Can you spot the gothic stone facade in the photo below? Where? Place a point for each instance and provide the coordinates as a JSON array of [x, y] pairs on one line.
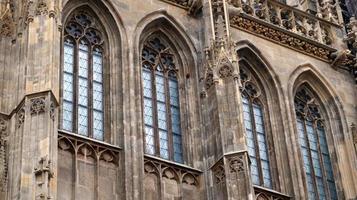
[[252, 99]]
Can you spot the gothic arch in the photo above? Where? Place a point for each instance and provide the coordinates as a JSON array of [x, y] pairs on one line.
[[336, 124], [160, 23], [114, 59], [252, 58]]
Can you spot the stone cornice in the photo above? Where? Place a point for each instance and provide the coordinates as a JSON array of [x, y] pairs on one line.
[[282, 37]]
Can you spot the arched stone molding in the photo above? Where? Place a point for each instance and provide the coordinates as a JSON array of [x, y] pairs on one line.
[[339, 140], [161, 23], [115, 59], [274, 109]]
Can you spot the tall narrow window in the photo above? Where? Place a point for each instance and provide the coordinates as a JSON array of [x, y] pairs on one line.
[[161, 101], [255, 130], [313, 146], [82, 80]]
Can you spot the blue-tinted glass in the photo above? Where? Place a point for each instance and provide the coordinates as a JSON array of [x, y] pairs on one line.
[[97, 66], [83, 120], [177, 147], [98, 125], [83, 91], [149, 140], [67, 116], [174, 93], [147, 83], [161, 115], [83, 60], [160, 87], [67, 110], [97, 96], [164, 146], [148, 119]]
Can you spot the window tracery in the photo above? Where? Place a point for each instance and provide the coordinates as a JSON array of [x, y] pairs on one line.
[[161, 100], [253, 114], [82, 78], [314, 147]]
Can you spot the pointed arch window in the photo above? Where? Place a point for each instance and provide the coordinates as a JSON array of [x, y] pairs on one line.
[[313, 145], [82, 77], [161, 101], [253, 114]]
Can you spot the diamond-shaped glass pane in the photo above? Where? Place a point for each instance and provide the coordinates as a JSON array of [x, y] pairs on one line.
[[68, 86], [161, 115], [148, 118], [83, 91], [83, 61], [147, 83], [97, 67], [68, 57], [174, 93], [98, 125], [83, 120], [67, 110], [160, 87], [98, 96]]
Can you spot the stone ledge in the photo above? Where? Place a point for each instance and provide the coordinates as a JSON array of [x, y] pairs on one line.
[[282, 37]]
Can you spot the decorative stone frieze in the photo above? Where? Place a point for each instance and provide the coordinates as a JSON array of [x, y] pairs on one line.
[[179, 173], [287, 39], [193, 6], [88, 148], [264, 194]]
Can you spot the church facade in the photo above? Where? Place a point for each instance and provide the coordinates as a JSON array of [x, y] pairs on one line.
[[178, 99]]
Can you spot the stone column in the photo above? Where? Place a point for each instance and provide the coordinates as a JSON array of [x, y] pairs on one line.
[[226, 150], [32, 139]]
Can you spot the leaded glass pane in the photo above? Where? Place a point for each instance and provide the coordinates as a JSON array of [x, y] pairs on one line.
[[149, 140], [68, 56], [147, 83], [98, 125], [97, 96], [160, 87], [83, 120], [83, 91], [97, 66], [83, 60], [67, 123], [164, 144]]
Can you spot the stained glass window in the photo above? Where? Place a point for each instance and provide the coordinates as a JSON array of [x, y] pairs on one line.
[[313, 146], [82, 82], [255, 131], [161, 101]]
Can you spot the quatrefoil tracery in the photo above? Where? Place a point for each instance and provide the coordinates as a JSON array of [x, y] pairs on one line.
[[81, 25], [306, 105], [248, 85], [157, 56]]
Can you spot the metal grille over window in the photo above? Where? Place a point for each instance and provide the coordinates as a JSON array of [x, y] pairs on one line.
[[255, 130], [82, 80], [313, 145], [161, 101]]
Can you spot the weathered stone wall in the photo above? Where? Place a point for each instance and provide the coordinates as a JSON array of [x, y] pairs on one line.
[[42, 161]]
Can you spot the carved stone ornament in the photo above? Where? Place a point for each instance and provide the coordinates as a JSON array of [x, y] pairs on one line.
[[7, 25], [42, 8], [38, 105], [219, 173], [20, 117], [3, 126], [236, 164], [170, 171], [283, 38], [52, 110]]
